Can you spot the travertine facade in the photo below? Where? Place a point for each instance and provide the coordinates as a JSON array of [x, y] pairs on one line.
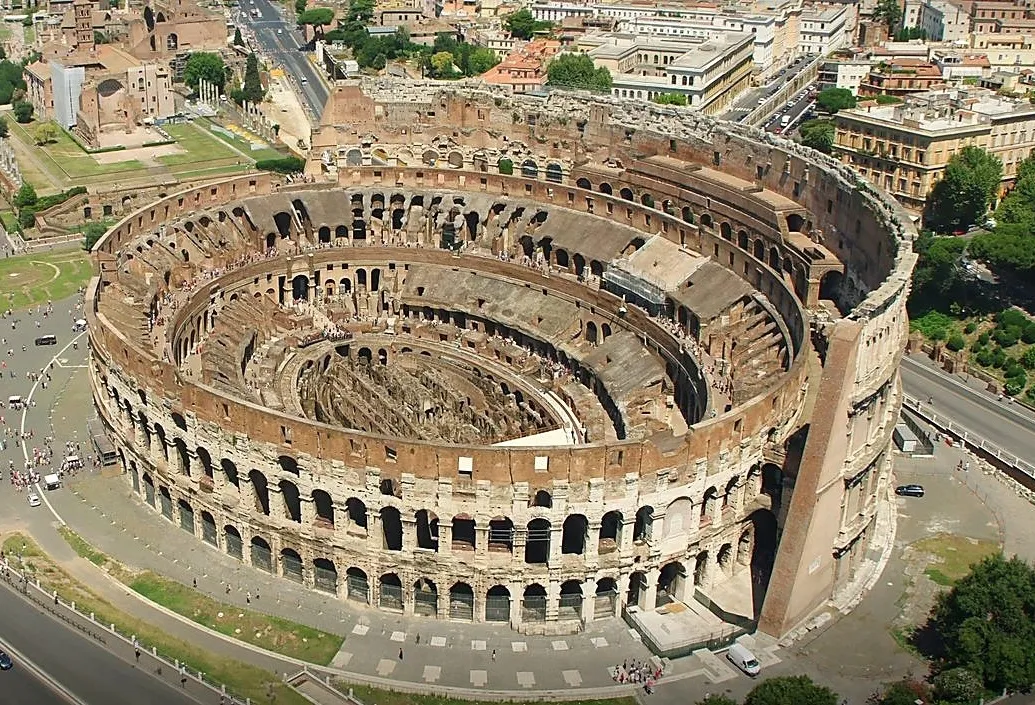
[[531, 397]]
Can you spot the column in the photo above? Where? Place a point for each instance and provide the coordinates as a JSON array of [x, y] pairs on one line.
[[593, 543], [553, 600], [481, 540], [445, 538], [308, 510], [650, 595], [556, 532], [515, 606], [588, 601]]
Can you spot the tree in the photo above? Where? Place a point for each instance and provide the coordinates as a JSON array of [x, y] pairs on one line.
[[833, 99], [3, 127], [238, 39], [577, 71], [669, 99], [520, 24], [442, 64], [92, 233], [26, 196], [986, 623], [22, 112], [799, 690], [967, 187], [11, 80], [300, 6], [27, 218], [938, 265], [45, 133], [204, 66], [904, 692], [818, 134], [317, 17], [252, 90], [889, 12], [958, 685], [482, 59]]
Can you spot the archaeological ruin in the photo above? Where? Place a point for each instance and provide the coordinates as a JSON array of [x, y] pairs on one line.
[[536, 361]]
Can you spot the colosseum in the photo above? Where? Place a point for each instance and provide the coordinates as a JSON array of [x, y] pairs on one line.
[[528, 360]]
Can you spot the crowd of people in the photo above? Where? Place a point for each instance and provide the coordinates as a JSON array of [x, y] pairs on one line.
[[636, 671]]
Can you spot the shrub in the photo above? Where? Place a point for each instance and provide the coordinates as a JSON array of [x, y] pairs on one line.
[[1011, 317], [1006, 337], [933, 325], [984, 338], [27, 217], [976, 347], [1014, 386], [1012, 368], [970, 328], [284, 165], [956, 342], [998, 358], [985, 357], [1028, 336], [1028, 359]]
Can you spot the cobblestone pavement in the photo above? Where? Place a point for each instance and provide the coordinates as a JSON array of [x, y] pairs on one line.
[[853, 654]]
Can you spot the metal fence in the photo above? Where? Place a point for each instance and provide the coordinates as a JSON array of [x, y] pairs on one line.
[[186, 519], [167, 506], [461, 606], [149, 493], [262, 558], [497, 608], [358, 589], [208, 531], [234, 546], [604, 604], [390, 597], [291, 567], [425, 603], [533, 609], [325, 579], [570, 607]]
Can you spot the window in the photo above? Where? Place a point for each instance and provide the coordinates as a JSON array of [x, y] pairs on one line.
[[465, 466]]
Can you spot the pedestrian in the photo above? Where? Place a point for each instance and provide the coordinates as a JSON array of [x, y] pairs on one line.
[[228, 588], [195, 582], [248, 597], [136, 654], [418, 637], [400, 654], [494, 655], [183, 676]]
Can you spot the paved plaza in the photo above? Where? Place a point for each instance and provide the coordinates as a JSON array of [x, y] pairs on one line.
[[853, 654]]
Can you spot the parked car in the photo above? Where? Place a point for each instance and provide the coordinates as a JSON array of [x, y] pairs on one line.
[[743, 659], [34, 499], [5, 661], [910, 490]]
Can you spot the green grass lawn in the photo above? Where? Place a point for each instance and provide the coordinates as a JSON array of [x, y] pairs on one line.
[[952, 556], [28, 280], [200, 145], [272, 633], [242, 679], [65, 156], [390, 697]]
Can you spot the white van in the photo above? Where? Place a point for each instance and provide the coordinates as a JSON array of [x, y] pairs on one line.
[[743, 659], [785, 120], [14, 402], [51, 482]]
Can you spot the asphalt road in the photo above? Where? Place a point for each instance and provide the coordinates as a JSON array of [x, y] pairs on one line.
[[279, 41], [82, 667], [748, 101], [1005, 424]]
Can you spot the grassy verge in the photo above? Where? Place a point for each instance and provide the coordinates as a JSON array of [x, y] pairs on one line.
[[390, 697], [241, 678], [82, 548], [903, 636], [952, 556], [272, 633], [32, 279]]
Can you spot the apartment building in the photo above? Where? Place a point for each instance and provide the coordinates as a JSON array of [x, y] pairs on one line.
[[956, 66], [823, 29], [943, 20], [1005, 52], [709, 72], [900, 77], [904, 148], [844, 73]]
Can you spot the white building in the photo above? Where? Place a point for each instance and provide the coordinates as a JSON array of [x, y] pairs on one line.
[[825, 29], [844, 73], [761, 28]]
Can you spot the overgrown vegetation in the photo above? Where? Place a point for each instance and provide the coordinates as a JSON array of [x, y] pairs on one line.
[[783, 690], [669, 99], [962, 196], [818, 134], [832, 100], [284, 165], [577, 71]]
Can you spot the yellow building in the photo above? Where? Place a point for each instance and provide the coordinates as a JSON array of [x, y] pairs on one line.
[[904, 148]]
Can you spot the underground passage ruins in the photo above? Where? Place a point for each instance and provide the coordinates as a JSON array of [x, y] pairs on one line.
[[536, 361]]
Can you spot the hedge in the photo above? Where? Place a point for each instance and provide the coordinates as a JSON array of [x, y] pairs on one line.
[[284, 165]]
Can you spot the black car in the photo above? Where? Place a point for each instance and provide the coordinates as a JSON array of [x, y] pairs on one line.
[[910, 490], [47, 340], [5, 661]]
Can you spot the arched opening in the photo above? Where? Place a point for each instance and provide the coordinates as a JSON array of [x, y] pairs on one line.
[[763, 535], [391, 524], [830, 285], [300, 288], [425, 598], [533, 603], [678, 517], [591, 333], [291, 565], [325, 575], [774, 258], [324, 509], [701, 569], [579, 263], [543, 499], [292, 501], [554, 173], [165, 502], [324, 234], [529, 169], [463, 533], [671, 584], [262, 557], [626, 194], [537, 541], [390, 592], [206, 462], [706, 220], [186, 515], [610, 532], [729, 497], [208, 529], [356, 586], [497, 604], [637, 589], [708, 505], [583, 183], [742, 240], [234, 544], [149, 489], [260, 491], [230, 471], [570, 605], [426, 529], [772, 483], [643, 524], [501, 535], [357, 512], [726, 231], [605, 598], [759, 250], [561, 257], [724, 559], [461, 602], [573, 534], [605, 188], [795, 223]]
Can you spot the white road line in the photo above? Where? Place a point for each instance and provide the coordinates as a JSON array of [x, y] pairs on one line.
[[41, 675], [25, 410]]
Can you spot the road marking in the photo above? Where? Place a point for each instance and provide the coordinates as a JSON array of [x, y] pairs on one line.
[[385, 667], [572, 678], [41, 675], [479, 678], [25, 410], [432, 673], [526, 679]]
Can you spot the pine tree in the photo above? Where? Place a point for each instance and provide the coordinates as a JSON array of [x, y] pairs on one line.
[[252, 83]]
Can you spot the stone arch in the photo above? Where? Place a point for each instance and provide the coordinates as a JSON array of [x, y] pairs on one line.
[[763, 554], [706, 220], [323, 235], [724, 559], [678, 517], [461, 601], [643, 525], [573, 534], [501, 535], [529, 169], [233, 542], [262, 556], [759, 250], [701, 569], [570, 604], [533, 603], [429, 157], [637, 589], [542, 498], [774, 258], [205, 458], [455, 159], [390, 592], [583, 183], [325, 575], [561, 257], [730, 492], [671, 584], [324, 507], [260, 491], [425, 597], [186, 515], [554, 172], [605, 188], [711, 495], [505, 166], [292, 501], [357, 513], [391, 525], [795, 223], [591, 333], [537, 541], [230, 471], [497, 604], [647, 200], [610, 538], [291, 565], [426, 524], [830, 285], [463, 533]]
